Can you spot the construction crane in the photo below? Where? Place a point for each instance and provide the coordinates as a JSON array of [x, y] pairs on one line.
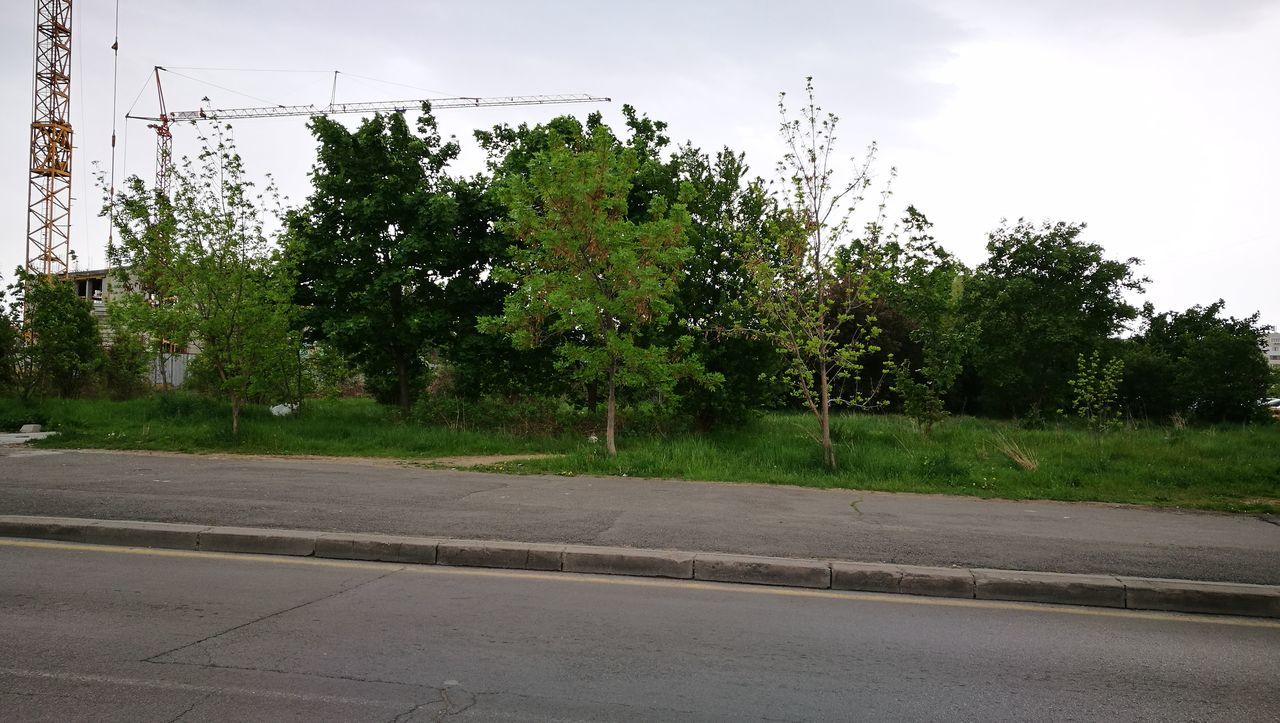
[[49, 192], [164, 135]]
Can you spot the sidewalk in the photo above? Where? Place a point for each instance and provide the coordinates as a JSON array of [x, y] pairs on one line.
[[384, 497]]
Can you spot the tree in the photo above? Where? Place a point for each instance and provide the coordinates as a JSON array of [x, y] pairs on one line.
[[378, 245], [919, 289], [61, 351], [804, 297], [1041, 299], [726, 208], [1197, 364], [1094, 391], [587, 278], [223, 284], [10, 339]]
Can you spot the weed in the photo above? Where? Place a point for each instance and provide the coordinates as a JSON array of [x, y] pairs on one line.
[[1016, 453]]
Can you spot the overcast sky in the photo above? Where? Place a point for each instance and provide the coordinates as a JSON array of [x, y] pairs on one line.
[[1157, 122]]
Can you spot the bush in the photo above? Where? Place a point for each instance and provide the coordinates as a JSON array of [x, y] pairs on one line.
[[16, 412], [124, 368]]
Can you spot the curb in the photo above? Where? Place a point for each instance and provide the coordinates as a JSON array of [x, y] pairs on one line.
[[1132, 593]]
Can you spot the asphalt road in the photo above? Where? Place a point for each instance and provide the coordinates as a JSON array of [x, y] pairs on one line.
[[355, 496], [112, 634]]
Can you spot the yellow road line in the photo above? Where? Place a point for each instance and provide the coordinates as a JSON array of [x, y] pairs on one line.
[[658, 582]]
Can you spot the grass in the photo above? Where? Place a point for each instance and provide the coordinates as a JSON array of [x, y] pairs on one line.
[[185, 423], [1230, 468], [1221, 468]]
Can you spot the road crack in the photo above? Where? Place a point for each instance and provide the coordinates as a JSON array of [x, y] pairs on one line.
[[343, 591], [192, 707]]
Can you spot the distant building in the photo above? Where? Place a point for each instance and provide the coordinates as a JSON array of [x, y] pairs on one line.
[[1273, 349], [98, 286]]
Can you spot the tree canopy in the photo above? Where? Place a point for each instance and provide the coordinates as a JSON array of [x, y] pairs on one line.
[[586, 278]]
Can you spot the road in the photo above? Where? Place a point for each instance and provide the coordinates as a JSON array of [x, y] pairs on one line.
[[134, 635], [355, 496]]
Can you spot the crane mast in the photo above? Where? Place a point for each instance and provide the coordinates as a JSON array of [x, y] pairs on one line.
[[164, 134], [49, 192]]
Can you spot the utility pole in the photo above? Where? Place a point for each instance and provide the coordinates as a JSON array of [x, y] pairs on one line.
[[49, 193]]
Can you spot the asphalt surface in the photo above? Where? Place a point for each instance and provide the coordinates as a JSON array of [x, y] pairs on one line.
[[354, 496], [111, 634]]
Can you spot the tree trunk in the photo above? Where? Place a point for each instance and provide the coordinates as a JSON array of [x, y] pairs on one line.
[[611, 414], [164, 370], [235, 416], [824, 419], [402, 376]]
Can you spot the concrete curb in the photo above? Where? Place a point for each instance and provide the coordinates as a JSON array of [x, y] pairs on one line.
[[1131, 593]]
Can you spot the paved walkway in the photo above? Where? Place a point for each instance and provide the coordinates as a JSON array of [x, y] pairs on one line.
[[370, 496]]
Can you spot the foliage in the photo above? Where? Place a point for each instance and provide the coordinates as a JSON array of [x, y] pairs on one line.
[[208, 274], [1094, 392], [61, 351], [920, 287], [125, 367], [804, 297], [327, 373], [1042, 298], [10, 339], [921, 399], [726, 208], [1197, 364], [385, 259], [586, 278]]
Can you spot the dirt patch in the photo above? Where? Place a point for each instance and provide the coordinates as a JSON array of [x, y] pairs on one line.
[[481, 460]]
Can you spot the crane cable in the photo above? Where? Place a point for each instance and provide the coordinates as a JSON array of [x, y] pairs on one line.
[[115, 94]]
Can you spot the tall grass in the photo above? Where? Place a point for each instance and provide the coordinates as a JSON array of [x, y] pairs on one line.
[[187, 423], [1224, 468]]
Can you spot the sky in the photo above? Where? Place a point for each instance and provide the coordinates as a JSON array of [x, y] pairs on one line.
[[1153, 121]]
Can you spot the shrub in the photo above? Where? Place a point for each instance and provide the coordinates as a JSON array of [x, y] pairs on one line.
[[124, 368]]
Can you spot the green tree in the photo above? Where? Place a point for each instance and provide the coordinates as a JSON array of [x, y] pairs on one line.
[[146, 264], [378, 245], [919, 289], [1095, 395], [726, 208], [1041, 299], [62, 350], [811, 306], [10, 340], [585, 277], [1198, 364], [225, 288], [125, 367]]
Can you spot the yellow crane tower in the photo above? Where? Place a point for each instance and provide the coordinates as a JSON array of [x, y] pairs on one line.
[[49, 193]]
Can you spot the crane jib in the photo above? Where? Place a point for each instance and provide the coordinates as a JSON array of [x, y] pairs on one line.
[[391, 106]]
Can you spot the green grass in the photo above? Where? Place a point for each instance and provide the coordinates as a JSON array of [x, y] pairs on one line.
[[1221, 468], [1231, 468], [186, 423]]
